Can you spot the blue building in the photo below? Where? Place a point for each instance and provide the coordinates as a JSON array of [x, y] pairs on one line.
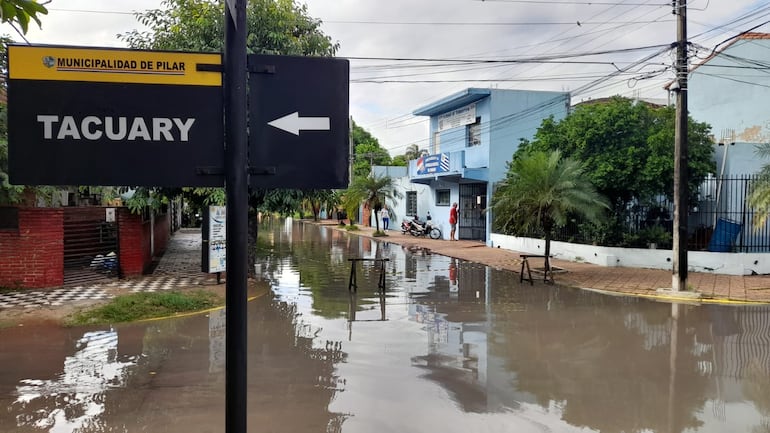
[[729, 90], [473, 135]]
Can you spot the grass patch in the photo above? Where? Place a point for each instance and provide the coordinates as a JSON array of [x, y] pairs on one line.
[[351, 227], [138, 306], [378, 234]]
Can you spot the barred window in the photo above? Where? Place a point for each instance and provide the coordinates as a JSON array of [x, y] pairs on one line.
[[411, 203]]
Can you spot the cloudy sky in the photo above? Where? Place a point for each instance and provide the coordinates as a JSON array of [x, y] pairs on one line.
[[408, 53]]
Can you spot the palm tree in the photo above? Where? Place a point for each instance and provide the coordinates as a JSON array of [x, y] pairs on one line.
[[372, 191], [759, 194], [541, 190], [412, 152]]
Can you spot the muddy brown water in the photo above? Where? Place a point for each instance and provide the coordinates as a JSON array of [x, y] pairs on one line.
[[450, 346]]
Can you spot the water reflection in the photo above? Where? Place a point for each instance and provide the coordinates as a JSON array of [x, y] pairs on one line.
[[449, 345], [168, 376], [533, 357], [75, 400]]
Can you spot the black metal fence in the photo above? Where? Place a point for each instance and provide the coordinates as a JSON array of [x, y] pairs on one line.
[[721, 220]]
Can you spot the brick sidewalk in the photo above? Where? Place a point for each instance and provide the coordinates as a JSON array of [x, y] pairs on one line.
[[753, 288]]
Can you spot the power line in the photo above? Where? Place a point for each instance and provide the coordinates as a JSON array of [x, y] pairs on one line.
[[488, 23], [575, 2]]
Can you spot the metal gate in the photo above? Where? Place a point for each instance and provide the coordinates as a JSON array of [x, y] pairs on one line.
[[473, 221], [90, 245]]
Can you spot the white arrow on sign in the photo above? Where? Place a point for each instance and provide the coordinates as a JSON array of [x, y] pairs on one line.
[[294, 124]]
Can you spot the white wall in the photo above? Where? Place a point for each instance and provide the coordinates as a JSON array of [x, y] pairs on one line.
[[698, 261]]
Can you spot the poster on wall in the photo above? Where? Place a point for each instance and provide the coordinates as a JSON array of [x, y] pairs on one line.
[[217, 239]]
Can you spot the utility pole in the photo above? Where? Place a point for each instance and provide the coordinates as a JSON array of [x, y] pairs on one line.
[[681, 193]]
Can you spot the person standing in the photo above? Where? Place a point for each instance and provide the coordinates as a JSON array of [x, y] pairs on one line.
[[453, 221], [385, 215]]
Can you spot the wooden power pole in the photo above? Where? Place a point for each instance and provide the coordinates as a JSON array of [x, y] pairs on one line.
[[681, 193]]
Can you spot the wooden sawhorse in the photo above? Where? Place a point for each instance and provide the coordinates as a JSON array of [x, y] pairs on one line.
[[547, 273], [352, 284]]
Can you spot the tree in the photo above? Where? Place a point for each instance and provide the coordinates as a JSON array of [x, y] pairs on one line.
[[368, 151], [759, 193], [412, 152], [274, 27], [627, 148], [540, 191], [20, 12], [373, 191]]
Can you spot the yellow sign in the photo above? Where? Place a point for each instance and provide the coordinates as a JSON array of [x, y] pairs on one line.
[[55, 63]]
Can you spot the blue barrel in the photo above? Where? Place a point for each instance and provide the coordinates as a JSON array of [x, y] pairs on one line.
[[724, 236]]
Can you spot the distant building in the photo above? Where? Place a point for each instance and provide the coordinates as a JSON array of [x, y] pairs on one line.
[[729, 90], [473, 135]]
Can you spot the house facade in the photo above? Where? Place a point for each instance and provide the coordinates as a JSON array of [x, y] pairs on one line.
[[729, 90], [473, 135]]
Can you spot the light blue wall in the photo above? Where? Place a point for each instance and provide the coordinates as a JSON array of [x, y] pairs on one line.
[[507, 116], [741, 159], [517, 114], [457, 138], [730, 94]]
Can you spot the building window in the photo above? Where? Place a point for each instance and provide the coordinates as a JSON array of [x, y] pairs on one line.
[[435, 147], [442, 197], [9, 218], [474, 133], [411, 203]]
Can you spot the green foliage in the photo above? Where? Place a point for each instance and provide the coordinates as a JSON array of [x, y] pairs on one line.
[[138, 306], [655, 234], [372, 191], [399, 161], [627, 148], [21, 11], [759, 190], [412, 152], [368, 152], [541, 191], [274, 27], [9, 194]]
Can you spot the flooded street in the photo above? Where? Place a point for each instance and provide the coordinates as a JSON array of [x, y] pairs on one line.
[[450, 346]]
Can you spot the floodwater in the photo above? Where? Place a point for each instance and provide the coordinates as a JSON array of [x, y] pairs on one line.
[[450, 346]]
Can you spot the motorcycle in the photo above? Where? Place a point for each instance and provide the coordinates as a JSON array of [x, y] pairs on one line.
[[417, 228]]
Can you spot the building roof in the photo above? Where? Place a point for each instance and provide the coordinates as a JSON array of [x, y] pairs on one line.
[[451, 102]]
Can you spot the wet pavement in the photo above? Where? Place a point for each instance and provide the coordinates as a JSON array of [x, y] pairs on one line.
[[714, 288], [450, 345]]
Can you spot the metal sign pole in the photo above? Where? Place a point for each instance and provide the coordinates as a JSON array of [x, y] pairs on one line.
[[237, 189]]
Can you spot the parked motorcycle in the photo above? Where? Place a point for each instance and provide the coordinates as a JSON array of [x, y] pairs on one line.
[[417, 228]]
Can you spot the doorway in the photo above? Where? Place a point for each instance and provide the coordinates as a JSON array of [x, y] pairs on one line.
[[473, 221]]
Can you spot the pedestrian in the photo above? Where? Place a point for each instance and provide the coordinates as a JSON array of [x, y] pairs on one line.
[[385, 215], [453, 221]]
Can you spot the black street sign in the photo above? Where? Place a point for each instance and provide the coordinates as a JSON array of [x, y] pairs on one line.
[[298, 122], [84, 116]]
